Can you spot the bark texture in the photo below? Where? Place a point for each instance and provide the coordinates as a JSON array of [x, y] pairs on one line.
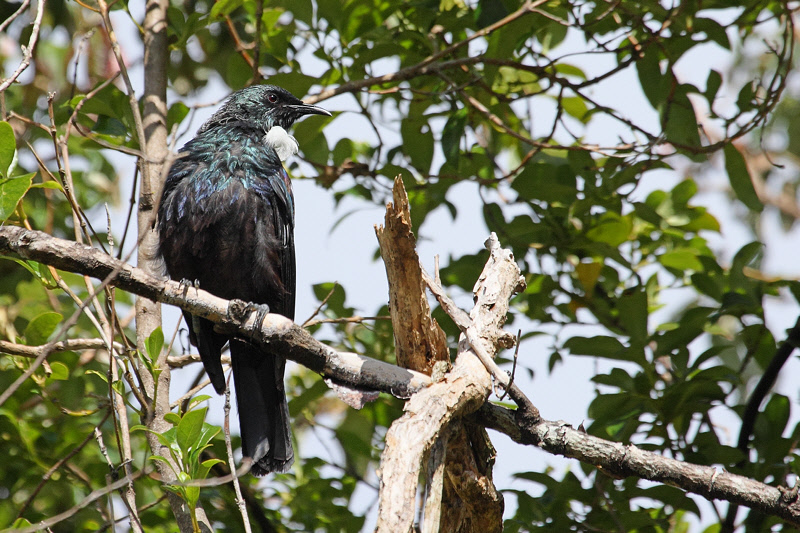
[[460, 494], [419, 341]]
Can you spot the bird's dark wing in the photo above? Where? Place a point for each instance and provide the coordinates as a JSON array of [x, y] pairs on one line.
[[231, 226], [283, 224], [227, 221]]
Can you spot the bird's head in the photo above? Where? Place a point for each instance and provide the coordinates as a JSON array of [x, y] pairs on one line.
[[262, 107]]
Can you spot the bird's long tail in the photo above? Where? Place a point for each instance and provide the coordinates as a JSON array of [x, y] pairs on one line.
[[263, 411]]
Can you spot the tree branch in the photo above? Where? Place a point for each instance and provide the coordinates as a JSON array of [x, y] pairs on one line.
[[419, 341], [621, 460], [279, 332]]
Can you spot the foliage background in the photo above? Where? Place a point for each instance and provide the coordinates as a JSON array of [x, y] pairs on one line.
[[640, 158]]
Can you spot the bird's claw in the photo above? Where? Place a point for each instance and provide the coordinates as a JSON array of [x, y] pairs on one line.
[[261, 311], [240, 310], [185, 283]]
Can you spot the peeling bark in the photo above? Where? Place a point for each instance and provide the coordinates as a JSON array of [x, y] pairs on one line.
[[419, 340], [460, 490]]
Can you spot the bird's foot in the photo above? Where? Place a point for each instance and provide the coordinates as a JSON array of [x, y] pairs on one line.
[[261, 311], [240, 310], [186, 283]]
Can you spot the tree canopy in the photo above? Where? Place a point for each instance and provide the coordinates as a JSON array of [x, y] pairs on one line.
[[639, 159]]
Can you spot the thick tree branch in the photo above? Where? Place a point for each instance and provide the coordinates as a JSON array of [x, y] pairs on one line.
[[428, 415], [623, 460], [279, 332]]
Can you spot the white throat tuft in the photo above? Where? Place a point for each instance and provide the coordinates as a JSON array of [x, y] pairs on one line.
[[281, 142]]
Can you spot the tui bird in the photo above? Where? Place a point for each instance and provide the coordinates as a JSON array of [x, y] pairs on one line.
[[226, 221]]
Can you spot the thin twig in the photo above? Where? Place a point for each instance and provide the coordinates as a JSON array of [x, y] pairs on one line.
[[27, 51], [67, 345], [322, 303], [22, 7], [194, 390], [92, 497], [513, 366], [240, 503], [344, 320], [111, 469]]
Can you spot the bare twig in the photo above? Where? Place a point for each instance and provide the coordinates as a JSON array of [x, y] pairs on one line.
[[345, 320], [322, 303], [91, 498], [22, 7], [240, 503], [27, 51], [67, 345]]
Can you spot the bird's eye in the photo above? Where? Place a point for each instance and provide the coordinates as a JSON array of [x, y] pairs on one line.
[[272, 97]]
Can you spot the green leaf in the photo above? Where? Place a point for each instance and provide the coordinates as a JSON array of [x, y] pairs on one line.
[[679, 118], [198, 399], [576, 107], [177, 112], [8, 147], [772, 421], [713, 83], [48, 185], [40, 328], [59, 371], [612, 229], [173, 418], [102, 376], [452, 133], [162, 459], [654, 83], [601, 346], [207, 433], [683, 260], [417, 142], [11, 192], [633, 313], [190, 427], [154, 344], [224, 7], [740, 180], [205, 466]]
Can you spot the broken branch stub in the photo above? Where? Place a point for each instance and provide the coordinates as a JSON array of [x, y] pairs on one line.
[[466, 500], [420, 342]]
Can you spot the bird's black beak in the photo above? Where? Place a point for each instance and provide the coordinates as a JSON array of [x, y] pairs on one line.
[[308, 109]]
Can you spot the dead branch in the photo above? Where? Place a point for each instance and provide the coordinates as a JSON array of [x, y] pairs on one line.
[[428, 415], [419, 341]]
